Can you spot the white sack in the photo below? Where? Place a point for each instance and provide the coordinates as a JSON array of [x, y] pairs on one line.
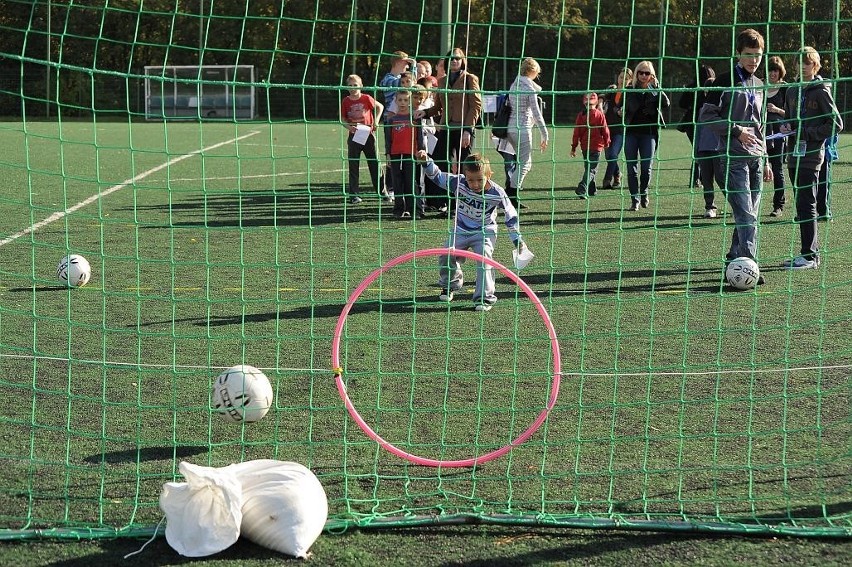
[[202, 514], [284, 505]]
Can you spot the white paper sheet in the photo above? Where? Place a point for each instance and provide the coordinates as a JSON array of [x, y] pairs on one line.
[[362, 133], [431, 142], [523, 258], [489, 104]]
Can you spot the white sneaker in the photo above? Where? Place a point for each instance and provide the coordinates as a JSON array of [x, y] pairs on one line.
[[387, 197], [483, 307], [354, 200], [710, 214], [446, 296], [801, 263]]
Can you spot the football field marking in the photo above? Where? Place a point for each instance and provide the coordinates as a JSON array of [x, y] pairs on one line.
[[61, 214]]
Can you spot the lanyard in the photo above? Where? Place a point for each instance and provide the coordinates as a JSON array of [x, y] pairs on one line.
[[752, 99]]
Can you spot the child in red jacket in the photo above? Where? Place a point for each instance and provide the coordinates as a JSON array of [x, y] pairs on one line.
[[592, 134]]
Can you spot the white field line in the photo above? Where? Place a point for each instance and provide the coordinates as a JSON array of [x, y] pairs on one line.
[[60, 214], [567, 374], [257, 176]]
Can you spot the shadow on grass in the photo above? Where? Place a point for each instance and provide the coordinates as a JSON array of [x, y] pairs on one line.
[[265, 208], [158, 552], [164, 453], [559, 284], [460, 546]]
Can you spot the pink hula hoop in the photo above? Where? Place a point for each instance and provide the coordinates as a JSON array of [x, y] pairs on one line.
[[341, 388]]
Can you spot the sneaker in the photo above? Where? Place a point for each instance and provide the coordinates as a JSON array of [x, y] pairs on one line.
[[616, 183], [710, 214], [634, 206], [801, 263], [387, 197], [447, 296], [405, 215], [355, 199], [443, 209], [645, 202], [483, 307], [776, 212], [580, 192], [593, 192], [607, 184]]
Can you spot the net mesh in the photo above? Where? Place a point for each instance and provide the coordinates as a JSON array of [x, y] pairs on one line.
[[227, 238]]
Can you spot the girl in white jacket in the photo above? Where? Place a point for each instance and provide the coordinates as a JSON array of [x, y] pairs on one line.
[[526, 113]]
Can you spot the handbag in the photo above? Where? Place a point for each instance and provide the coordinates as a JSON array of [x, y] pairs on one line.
[[500, 126]]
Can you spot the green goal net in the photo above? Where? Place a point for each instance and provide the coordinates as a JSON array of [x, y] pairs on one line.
[[193, 153]]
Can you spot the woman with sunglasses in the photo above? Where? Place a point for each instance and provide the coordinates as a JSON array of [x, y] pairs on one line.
[[456, 111], [643, 105]]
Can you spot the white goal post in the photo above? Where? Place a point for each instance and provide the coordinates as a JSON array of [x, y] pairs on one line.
[[206, 92]]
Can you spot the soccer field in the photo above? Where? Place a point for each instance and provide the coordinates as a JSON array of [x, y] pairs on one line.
[[682, 403]]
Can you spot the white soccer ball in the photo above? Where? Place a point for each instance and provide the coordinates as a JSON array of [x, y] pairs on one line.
[[742, 273], [73, 271], [242, 393]]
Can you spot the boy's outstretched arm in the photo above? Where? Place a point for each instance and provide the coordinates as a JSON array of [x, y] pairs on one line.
[[432, 171]]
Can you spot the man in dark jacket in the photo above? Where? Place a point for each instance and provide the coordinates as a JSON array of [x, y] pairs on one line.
[[735, 114]]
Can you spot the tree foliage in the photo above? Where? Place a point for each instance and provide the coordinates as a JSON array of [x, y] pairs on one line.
[[315, 43]]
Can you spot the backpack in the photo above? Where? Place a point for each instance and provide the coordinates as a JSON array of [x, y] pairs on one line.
[[500, 126]]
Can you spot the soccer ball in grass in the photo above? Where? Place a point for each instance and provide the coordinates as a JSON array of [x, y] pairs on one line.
[[73, 271], [242, 393], [742, 273]]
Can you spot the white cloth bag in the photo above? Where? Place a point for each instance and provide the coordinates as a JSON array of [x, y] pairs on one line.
[[277, 504], [284, 505], [203, 514]]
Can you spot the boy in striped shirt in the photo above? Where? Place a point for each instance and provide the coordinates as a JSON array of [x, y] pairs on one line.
[[478, 200]]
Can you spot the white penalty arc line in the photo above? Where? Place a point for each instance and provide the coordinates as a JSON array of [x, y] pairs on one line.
[[60, 214]]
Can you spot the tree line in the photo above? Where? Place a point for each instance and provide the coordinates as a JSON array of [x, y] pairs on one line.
[[89, 56]]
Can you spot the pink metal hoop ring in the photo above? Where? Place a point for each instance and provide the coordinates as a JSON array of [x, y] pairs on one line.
[[341, 388]]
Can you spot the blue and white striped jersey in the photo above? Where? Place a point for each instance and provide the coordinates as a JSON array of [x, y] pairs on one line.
[[477, 212]]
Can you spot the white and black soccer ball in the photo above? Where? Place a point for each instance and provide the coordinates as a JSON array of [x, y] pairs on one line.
[[73, 271], [242, 393], [742, 273]]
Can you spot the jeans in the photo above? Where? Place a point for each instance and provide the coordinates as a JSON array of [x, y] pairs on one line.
[[776, 163], [447, 149], [509, 166], [521, 140], [823, 195], [587, 184], [450, 270], [616, 142], [710, 171], [406, 186], [745, 178], [805, 183], [354, 154], [639, 150]]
